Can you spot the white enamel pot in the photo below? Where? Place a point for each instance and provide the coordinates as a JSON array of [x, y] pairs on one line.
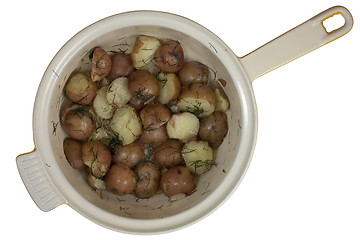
[[51, 181]]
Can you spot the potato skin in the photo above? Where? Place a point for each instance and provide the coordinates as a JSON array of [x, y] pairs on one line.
[[128, 155], [97, 157], [193, 72], [154, 115], [213, 128], [100, 64], [154, 137], [78, 122], [72, 151], [121, 66], [120, 179], [169, 57], [177, 180], [143, 86], [168, 154], [80, 89], [148, 175]]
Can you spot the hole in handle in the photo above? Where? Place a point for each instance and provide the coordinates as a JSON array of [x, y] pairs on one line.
[[333, 22]]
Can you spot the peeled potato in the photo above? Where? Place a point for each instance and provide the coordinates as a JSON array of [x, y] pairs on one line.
[[101, 106], [183, 126], [118, 93], [198, 156], [169, 86], [143, 51], [222, 100]]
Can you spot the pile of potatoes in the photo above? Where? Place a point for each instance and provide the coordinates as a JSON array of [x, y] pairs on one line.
[[134, 132]]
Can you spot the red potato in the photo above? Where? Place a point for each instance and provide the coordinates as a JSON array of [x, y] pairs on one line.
[[148, 175], [80, 89], [143, 51], [100, 64], [72, 151], [78, 122], [177, 180], [120, 179], [154, 115], [214, 128], [128, 155], [154, 137], [193, 72], [169, 57], [121, 66], [97, 157], [143, 86], [168, 154]]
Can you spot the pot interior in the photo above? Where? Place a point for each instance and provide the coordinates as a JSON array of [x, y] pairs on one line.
[[233, 156]]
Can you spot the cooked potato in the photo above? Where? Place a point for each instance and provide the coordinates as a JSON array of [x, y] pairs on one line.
[[198, 156], [97, 157], [169, 57], [137, 104], [183, 126], [222, 100], [154, 137], [100, 64], [126, 124], [105, 136], [177, 180], [121, 66], [128, 155], [80, 89], [148, 175], [78, 121], [198, 99], [168, 154], [101, 106], [120, 179], [143, 86], [193, 72], [154, 115], [118, 93], [96, 183], [143, 51], [214, 128], [72, 151], [169, 86]]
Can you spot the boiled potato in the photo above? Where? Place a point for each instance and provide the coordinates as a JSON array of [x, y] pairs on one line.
[[214, 128], [96, 183], [128, 155], [97, 157], [222, 100], [80, 89], [154, 115], [144, 51], [154, 137], [170, 87], [100, 64], [148, 175], [168, 154], [78, 122], [72, 151], [169, 57], [121, 66], [105, 136], [120, 179], [193, 72], [143, 85], [118, 93], [101, 105], [198, 99], [183, 126], [198, 156], [126, 124], [177, 180]]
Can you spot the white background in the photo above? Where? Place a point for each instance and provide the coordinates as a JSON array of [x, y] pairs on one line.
[[304, 179]]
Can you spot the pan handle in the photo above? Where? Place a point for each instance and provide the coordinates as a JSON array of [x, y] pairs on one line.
[[37, 182], [295, 43]]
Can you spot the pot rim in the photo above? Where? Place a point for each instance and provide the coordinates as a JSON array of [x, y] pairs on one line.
[[41, 122]]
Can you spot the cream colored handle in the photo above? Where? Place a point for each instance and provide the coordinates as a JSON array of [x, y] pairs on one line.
[[295, 43], [37, 182]]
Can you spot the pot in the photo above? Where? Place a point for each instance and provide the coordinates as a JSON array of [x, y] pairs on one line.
[[51, 181]]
